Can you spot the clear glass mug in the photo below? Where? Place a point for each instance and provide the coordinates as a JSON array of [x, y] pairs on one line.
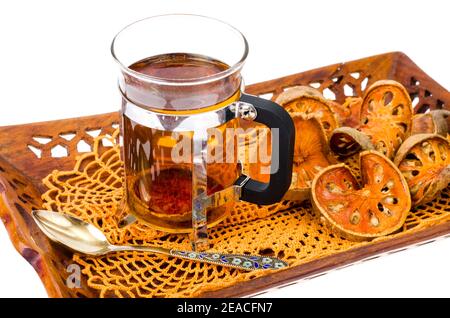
[[182, 103]]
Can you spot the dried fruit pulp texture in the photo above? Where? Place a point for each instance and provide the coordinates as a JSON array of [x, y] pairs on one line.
[[313, 120], [379, 206], [386, 117], [308, 105], [309, 151], [159, 188], [349, 111], [426, 168]]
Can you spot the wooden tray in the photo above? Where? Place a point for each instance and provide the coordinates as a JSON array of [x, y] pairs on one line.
[[28, 153]]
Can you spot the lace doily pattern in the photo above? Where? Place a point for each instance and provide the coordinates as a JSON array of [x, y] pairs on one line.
[[93, 191]]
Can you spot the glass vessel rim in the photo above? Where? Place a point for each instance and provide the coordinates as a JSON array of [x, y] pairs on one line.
[[237, 66]]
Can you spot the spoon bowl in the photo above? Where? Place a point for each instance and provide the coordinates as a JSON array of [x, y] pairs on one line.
[[72, 232]]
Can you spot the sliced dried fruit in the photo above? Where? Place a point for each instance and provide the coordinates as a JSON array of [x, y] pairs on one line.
[[348, 112], [434, 122], [377, 207], [386, 114], [307, 100], [311, 155], [385, 118], [347, 140], [424, 161]]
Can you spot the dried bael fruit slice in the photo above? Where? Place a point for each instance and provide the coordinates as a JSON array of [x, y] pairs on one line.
[[348, 113], [424, 160], [307, 100], [377, 207], [346, 141], [311, 154], [386, 115], [385, 120], [434, 122]]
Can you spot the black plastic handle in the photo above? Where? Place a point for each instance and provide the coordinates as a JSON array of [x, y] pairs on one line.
[[273, 116]]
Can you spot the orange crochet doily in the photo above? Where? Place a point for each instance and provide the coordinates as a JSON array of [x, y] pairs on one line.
[[93, 191]]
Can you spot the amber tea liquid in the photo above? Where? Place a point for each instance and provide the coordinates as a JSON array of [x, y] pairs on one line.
[[159, 190]]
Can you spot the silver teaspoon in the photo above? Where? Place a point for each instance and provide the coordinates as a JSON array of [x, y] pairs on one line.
[[85, 238]]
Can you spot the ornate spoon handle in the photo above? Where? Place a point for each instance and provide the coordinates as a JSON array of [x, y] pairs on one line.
[[244, 262]]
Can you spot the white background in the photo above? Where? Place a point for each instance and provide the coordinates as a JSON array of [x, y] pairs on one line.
[[55, 63]]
